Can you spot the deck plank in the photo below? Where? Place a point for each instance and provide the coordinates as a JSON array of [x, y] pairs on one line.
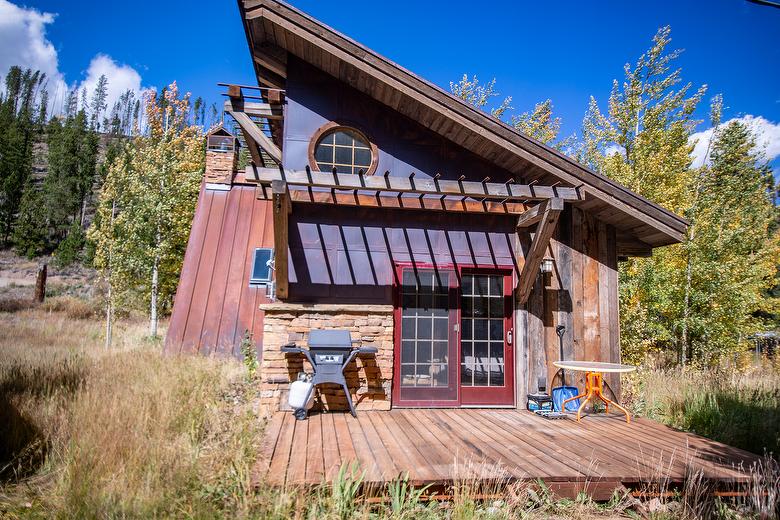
[[508, 457], [536, 462], [436, 454], [719, 461], [586, 454], [411, 450], [361, 453], [266, 452], [446, 445], [460, 450], [389, 455], [330, 446], [315, 450], [296, 474], [277, 472], [365, 453]]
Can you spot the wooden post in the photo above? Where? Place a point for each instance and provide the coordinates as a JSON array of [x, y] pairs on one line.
[[40, 283], [282, 207]]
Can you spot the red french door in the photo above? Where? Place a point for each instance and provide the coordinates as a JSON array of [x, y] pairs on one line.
[[486, 353], [426, 373], [453, 338]]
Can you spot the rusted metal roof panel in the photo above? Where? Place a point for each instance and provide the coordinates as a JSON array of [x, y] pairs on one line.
[[215, 304]]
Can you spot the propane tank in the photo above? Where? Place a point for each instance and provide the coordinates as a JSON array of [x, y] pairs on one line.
[[299, 390]]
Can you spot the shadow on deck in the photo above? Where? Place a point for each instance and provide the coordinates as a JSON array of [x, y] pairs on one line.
[[444, 446]]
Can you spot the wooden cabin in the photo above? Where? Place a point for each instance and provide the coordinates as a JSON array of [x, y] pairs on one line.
[[377, 202]]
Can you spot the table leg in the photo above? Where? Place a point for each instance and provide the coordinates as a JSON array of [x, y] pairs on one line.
[[596, 384], [588, 397], [563, 404]]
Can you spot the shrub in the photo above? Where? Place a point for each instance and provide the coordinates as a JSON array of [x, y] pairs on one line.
[[72, 307], [15, 304]]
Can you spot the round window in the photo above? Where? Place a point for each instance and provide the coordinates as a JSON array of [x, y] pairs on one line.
[[345, 149]]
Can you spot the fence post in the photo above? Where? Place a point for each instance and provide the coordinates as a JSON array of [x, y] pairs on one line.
[[40, 283]]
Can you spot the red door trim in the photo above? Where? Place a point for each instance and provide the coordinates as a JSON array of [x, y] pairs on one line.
[[507, 398], [485, 395]]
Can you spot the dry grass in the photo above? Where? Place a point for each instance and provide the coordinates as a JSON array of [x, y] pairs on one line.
[[127, 433], [89, 432], [740, 407]]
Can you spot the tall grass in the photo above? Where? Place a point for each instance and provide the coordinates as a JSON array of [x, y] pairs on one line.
[[738, 407], [95, 433], [87, 432]]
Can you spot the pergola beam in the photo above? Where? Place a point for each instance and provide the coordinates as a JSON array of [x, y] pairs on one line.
[[437, 187], [350, 198], [282, 208], [550, 211]]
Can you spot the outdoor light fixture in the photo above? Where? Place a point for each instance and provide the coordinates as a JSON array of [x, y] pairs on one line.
[[547, 266]]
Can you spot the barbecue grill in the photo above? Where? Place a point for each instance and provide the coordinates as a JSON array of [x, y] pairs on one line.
[[329, 352]]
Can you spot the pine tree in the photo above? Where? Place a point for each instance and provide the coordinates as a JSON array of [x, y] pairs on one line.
[[198, 111], [30, 234], [19, 113], [98, 104]]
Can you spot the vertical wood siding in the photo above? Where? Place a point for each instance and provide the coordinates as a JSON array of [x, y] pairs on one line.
[[214, 303], [582, 295]]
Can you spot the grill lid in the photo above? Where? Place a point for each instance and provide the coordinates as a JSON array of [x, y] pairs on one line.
[[322, 339]]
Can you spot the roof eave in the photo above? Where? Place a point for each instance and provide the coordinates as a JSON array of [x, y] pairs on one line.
[[669, 227]]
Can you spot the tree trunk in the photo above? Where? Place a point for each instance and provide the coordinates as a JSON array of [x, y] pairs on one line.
[[109, 319], [684, 353], [109, 302], [153, 308]]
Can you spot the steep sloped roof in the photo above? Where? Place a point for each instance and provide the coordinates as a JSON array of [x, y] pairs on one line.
[[641, 224]]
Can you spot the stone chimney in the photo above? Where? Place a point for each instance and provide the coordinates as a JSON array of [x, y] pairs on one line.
[[221, 156]]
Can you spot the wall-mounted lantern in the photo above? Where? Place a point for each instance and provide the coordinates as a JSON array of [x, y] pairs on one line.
[[547, 266]]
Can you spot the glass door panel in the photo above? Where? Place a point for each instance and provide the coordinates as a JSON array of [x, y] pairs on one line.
[[428, 337], [485, 352]]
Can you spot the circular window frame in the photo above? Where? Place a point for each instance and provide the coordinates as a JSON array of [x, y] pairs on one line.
[[332, 126]]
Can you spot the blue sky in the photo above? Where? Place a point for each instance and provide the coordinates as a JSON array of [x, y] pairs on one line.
[[565, 51]]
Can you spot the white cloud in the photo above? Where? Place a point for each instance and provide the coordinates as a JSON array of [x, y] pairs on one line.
[[120, 78], [23, 42], [766, 133]]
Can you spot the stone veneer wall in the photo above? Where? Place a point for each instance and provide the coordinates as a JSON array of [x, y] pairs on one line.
[[220, 166], [368, 377]]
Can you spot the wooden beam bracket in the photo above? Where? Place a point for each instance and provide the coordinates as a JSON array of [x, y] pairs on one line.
[[253, 133], [550, 212]]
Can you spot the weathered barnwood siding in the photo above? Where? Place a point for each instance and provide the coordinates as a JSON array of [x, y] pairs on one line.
[[581, 294], [215, 305]]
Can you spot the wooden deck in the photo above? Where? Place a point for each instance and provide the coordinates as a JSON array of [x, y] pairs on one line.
[[445, 445]]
